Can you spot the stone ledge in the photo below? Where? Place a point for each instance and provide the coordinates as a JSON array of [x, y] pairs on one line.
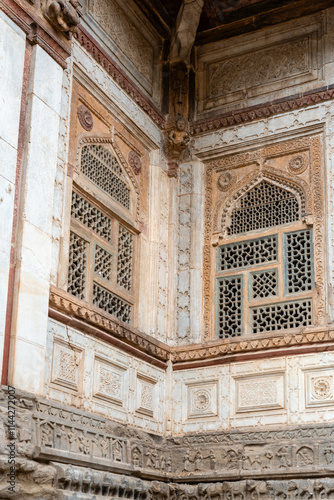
[[81, 315]]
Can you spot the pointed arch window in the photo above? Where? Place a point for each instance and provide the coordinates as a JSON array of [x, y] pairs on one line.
[[102, 238], [264, 273]]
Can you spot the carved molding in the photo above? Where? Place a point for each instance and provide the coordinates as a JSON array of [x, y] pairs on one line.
[[83, 312], [96, 51], [81, 315], [261, 111], [49, 430]]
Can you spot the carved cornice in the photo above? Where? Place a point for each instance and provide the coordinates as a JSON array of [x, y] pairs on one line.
[[78, 314], [261, 111], [69, 310], [96, 51], [37, 30], [217, 349]]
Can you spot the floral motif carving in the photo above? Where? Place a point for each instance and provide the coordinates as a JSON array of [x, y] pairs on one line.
[[85, 118], [147, 400], [110, 383], [298, 164], [226, 180], [67, 366], [321, 387], [135, 162], [260, 112], [201, 400]]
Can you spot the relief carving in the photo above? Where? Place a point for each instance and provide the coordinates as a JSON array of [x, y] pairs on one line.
[[259, 68], [126, 36], [178, 140], [304, 153], [85, 118], [135, 162], [64, 15]]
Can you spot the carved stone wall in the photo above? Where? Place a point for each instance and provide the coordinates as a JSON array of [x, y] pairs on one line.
[[64, 452], [292, 390], [83, 371]]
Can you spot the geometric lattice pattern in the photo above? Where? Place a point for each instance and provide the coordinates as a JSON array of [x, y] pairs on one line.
[[77, 269], [282, 316], [299, 261], [264, 284], [102, 263], [124, 258], [111, 304], [90, 216], [266, 205], [247, 253], [102, 168], [229, 307]]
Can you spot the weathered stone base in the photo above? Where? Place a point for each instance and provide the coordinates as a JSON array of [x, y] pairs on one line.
[[66, 453]]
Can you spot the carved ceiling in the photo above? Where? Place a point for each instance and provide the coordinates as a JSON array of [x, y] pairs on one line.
[[226, 18]]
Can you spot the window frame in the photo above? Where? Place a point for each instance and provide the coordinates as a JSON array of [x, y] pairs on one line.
[[248, 304], [120, 216]]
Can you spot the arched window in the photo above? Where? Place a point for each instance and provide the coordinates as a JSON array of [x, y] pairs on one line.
[[264, 273], [102, 241]]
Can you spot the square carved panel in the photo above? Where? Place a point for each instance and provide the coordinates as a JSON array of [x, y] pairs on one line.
[[319, 385], [146, 396], [109, 382], [202, 400], [66, 366], [260, 392]]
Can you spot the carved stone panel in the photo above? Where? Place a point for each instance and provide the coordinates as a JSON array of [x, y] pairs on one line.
[[109, 381], [66, 366], [146, 396], [233, 73], [319, 387], [260, 392], [202, 400]]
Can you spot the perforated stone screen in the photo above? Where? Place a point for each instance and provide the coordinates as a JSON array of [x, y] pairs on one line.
[[256, 280], [101, 167], [77, 268], [247, 253], [90, 216], [230, 297], [266, 205], [111, 304]]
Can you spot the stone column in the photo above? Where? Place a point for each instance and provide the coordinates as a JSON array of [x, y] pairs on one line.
[[190, 231], [29, 331], [12, 50]]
